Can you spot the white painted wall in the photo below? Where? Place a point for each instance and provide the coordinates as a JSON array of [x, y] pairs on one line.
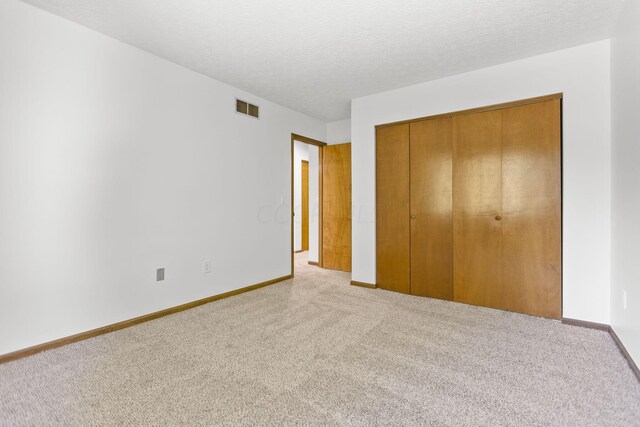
[[583, 74], [625, 96], [300, 153], [114, 162], [339, 132], [314, 211]]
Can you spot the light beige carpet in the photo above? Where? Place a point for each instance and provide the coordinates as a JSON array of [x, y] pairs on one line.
[[317, 351]]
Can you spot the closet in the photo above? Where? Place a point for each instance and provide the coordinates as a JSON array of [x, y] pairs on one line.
[[468, 206]]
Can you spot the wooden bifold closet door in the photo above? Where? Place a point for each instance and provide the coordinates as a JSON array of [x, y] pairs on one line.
[[414, 235], [507, 250], [531, 209], [431, 209], [393, 250], [477, 177], [469, 207]]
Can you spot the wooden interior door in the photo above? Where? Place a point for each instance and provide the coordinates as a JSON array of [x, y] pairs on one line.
[[531, 209], [477, 209], [305, 204], [392, 209], [336, 207], [431, 208]]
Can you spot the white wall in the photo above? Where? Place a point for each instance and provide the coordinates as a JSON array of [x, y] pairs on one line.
[[625, 96], [582, 73], [339, 132], [314, 211], [114, 162], [300, 153]]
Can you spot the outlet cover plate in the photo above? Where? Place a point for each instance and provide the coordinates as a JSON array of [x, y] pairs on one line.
[[206, 266]]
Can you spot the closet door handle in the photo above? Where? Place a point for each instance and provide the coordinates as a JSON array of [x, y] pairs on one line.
[[498, 217], [413, 217]]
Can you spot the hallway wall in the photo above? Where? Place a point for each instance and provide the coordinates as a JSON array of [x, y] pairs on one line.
[[300, 153]]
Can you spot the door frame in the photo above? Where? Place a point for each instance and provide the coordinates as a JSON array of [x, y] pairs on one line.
[[319, 144], [493, 107]]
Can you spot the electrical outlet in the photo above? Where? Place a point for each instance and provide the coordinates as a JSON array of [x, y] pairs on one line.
[[206, 266], [159, 274], [624, 299]]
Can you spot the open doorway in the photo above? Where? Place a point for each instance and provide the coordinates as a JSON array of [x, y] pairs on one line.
[[306, 200]]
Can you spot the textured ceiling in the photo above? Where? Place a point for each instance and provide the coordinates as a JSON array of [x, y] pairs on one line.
[[314, 56]]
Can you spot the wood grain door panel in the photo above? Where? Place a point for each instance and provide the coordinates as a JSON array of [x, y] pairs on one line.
[[477, 203], [392, 208], [431, 208], [531, 205], [305, 204], [336, 207]]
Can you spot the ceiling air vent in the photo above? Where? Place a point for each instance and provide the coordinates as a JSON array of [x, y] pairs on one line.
[[248, 109]]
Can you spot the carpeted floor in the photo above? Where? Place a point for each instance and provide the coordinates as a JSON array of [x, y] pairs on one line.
[[317, 351]]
